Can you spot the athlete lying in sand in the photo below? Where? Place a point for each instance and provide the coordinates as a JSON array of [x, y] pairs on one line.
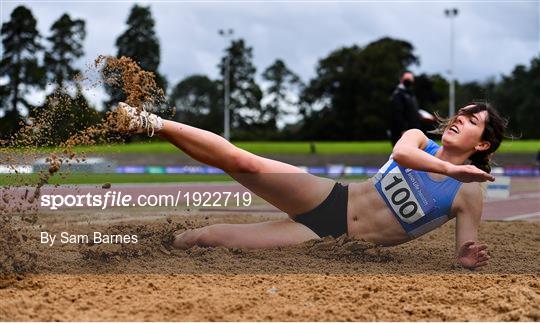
[[421, 187]]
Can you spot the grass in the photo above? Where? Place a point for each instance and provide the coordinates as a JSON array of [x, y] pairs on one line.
[[520, 146], [298, 147], [85, 178]]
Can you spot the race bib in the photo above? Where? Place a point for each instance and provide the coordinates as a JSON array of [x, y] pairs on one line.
[[405, 194]]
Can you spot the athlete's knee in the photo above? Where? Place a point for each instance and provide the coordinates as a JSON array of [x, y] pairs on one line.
[[241, 161]]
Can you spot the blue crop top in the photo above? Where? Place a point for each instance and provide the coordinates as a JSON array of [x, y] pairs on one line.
[[419, 202]]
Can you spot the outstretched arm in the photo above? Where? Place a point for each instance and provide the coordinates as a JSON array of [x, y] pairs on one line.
[[409, 152], [469, 253]]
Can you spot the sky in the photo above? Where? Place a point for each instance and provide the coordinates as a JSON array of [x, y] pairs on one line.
[[491, 37]]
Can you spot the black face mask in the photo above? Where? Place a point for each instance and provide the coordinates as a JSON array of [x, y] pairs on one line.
[[407, 84]]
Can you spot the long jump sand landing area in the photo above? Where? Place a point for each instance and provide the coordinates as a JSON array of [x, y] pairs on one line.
[[329, 279]]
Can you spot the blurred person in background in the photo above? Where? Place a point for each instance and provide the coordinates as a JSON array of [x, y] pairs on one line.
[[404, 108]]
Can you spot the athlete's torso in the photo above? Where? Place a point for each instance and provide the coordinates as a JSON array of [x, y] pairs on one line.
[[400, 204], [369, 218]]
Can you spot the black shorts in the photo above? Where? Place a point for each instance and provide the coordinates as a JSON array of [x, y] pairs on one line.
[[330, 217]]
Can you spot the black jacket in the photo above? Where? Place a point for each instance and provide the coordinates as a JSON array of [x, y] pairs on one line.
[[404, 114]]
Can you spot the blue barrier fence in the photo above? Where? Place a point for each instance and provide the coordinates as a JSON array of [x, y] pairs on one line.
[[331, 170]]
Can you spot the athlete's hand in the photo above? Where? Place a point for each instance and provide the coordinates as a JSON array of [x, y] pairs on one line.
[[468, 173], [470, 255]]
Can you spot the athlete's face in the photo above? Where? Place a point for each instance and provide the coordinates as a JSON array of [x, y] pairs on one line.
[[466, 131]]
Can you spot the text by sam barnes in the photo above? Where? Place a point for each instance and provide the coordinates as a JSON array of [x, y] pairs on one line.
[[94, 238]]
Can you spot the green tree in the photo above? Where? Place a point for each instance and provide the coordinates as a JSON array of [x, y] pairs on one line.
[[349, 96], [283, 90], [20, 66], [245, 93], [73, 113], [66, 40], [516, 97], [198, 103], [140, 43], [432, 93], [474, 91]]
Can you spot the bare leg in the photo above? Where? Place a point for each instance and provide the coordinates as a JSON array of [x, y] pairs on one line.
[[287, 187], [253, 235]]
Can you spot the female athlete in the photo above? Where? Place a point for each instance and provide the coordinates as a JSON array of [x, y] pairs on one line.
[[422, 186]]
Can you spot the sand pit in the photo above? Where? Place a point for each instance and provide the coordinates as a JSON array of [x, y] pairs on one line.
[[319, 280]]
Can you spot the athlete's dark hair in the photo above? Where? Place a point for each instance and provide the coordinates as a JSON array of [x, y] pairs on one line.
[[494, 129]]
